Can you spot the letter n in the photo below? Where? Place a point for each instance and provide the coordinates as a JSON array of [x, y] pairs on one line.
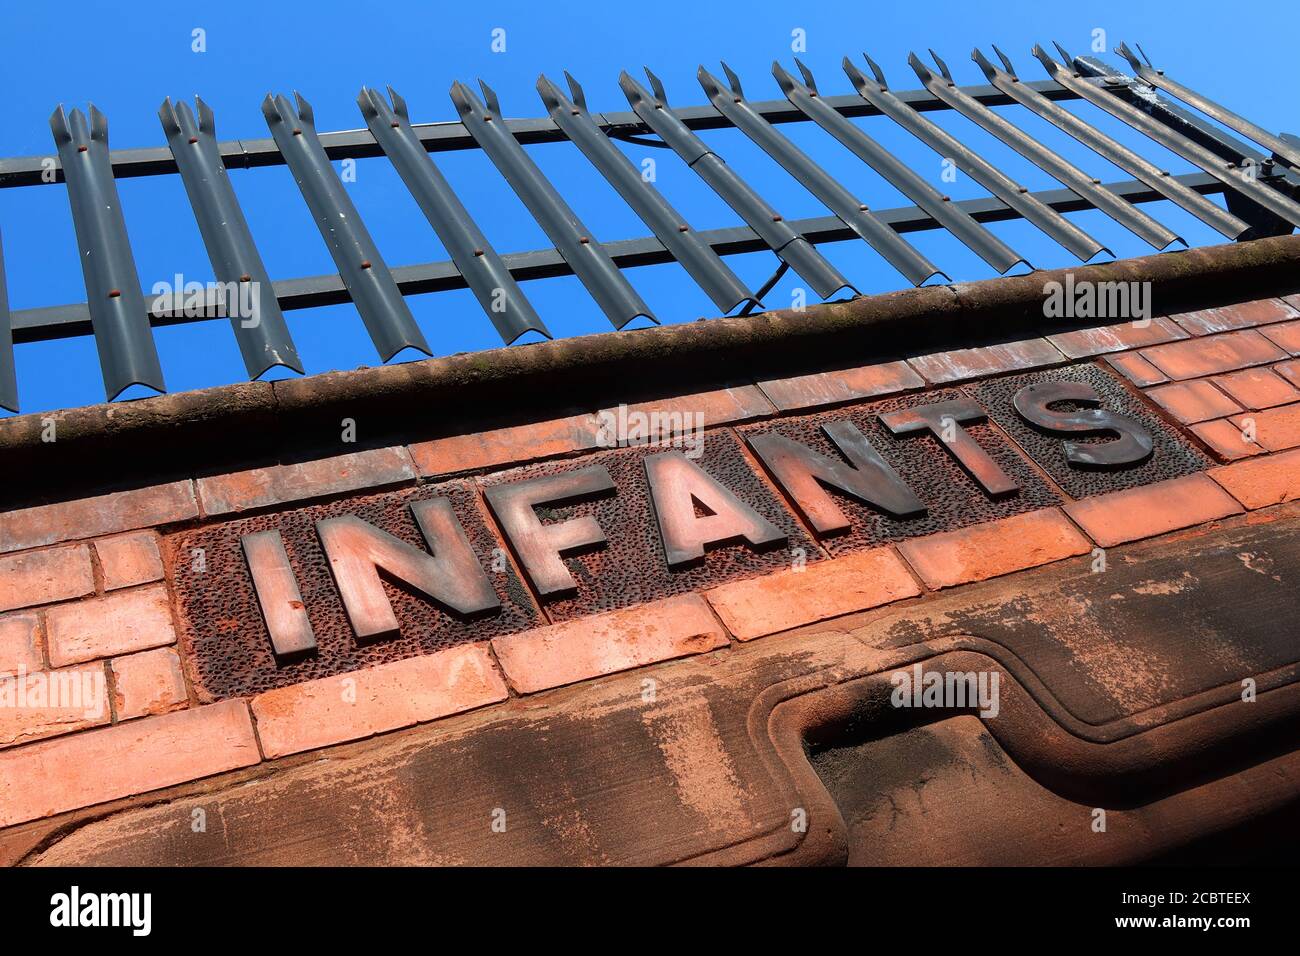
[[358, 552]]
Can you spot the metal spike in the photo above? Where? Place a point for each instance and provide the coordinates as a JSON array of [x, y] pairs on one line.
[[1065, 55], [207, 121], [733, 79], [657, 86], [943, 67], [490, 98], [1045, 58], [1129, 55], [575, 91], [1006, 61], [399, 105], [1144, 54], [918, 67], [305, 112], [806, 73], [981, 61], [876, 71]]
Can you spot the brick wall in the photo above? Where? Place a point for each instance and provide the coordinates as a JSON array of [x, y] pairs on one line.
[[88, 587]]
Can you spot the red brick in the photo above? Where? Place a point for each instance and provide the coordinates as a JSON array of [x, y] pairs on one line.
[[1226, 440], [1081, 343], [959, 364], [1195, 358], [148, 683], [844, 385], [108, 626], [1195, 401], [277, 484], [505, 446], [1137, 369], [1284, 336], [787, 599], [1263, 481], [129, 559], [1289, 371], [20, 643], [605, 643], [1258, 388], [995, 548], [1152, 509], [1239, 316], [1275, 428], [42, 577], [703, 410], [53, 776], [387, 697], [93, 517], [48, 703]]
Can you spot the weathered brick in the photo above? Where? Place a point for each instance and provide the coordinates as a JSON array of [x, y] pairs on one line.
[[960, 364], [81, 770], [843, 385], [129, 559], [387, 697], [1152, 509], [1239, 316], [1081, 343], [43, 704], [42, 577], [1275, 428], [827, 589], [995, 548], [1226, 439], [1286, 336], [1194, 401], [671, 416], [93, 517], [1258, 388], [108, 626], [20, 643], [605, 643], [1196, 358], [1289, 371], [1261, 482], [1137, 369], [148, 683], [505, 446], [277, 484]]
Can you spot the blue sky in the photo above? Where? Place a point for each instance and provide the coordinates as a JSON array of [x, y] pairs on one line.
[[125, 57]]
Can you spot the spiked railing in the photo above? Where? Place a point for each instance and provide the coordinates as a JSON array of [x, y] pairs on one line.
[[1259, 188]]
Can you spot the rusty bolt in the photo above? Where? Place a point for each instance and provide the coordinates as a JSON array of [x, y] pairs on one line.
[[114, 293], [365, 264], [193, 140]]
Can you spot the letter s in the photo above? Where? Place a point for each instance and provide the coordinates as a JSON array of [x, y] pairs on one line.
[[1132, 446]]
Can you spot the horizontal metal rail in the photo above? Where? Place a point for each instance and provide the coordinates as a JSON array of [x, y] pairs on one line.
[[71, 320], [451, 136]]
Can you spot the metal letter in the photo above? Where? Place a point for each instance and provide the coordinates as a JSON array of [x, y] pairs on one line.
[[452, 576], [968, 452], [802, 473], [1134, 445], [676, 485], [278, 595], [541, 548]]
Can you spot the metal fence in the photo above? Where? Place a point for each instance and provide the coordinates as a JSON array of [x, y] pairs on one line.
[[1259, 188]]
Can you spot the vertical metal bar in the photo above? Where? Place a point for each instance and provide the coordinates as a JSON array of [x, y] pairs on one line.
[[986, 245], [703, 264], [1280, 147], [127, 354], [1126, 214], [8, 376], [1210, 213], [496, 290], [385, 313], [1033, 210], [587, 257], [259, 326], [835, 197], [1228, 173], [790, 247]]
